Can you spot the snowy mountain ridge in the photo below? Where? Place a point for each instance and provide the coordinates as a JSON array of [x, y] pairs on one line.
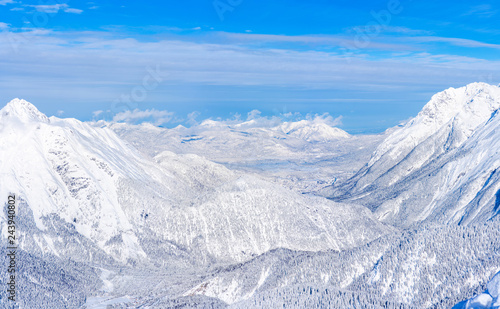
[[441, 166], [116, 197], [138, 216], [303, 155], [42, 161], [313, 131], [23, 111], [317, 129], [460, 110]]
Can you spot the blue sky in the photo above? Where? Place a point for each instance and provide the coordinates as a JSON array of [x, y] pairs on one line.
[[374, 63]]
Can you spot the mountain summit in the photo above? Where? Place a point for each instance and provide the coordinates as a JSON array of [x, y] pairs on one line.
[[458, 111], [313, 131], [24, 111], [443, 165]]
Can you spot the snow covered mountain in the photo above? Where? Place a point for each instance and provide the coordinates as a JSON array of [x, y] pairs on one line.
[[202, 217], [223, 141], [443, 165], [424, 268], [428, 267], [122, 202], [313, 131], [305, 155]]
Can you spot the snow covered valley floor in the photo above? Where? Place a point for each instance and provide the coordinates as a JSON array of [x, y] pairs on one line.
[[258, 213]]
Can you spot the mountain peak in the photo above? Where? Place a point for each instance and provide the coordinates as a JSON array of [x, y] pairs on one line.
[[313, 131], [24, 111], [461, 109], [471, 98]]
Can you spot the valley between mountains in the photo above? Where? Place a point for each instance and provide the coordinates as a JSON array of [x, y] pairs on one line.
[[259, 213]]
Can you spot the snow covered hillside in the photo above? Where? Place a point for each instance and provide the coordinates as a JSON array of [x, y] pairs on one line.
[[113, 195], [429, 267], [228, 214], [90, 197], [443, 165]]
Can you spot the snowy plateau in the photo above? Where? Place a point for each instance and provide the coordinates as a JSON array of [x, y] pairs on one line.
[[256, 214]]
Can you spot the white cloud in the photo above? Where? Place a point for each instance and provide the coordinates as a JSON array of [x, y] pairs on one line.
[[325, 118], [4, 2], [4, 26], [329, 40], [453, 41], [137, 116], [59, 57], [45, 8], [254, 114], [74, 11], [60, 113], [54, 8], [377, 42], [482, 10], [191, 118], [96, 114], [388, 29], [255, 120]]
